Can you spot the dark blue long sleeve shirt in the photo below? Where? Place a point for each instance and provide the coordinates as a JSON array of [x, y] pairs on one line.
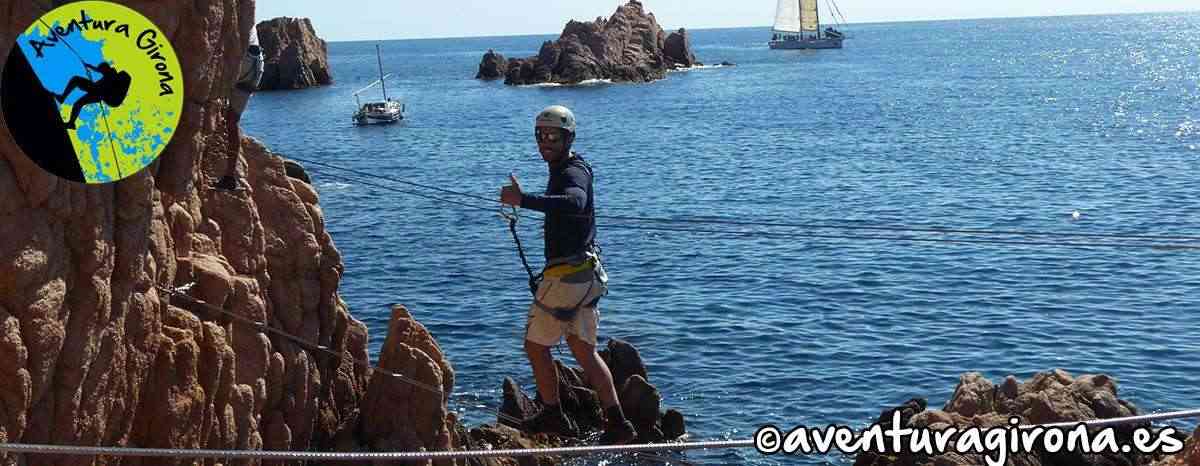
[[568, 203]]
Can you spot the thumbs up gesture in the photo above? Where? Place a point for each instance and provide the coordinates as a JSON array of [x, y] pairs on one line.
[[511, 194]]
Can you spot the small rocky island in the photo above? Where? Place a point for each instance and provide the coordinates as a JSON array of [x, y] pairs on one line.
[[294, 57], [629, 46], [1048, 397]]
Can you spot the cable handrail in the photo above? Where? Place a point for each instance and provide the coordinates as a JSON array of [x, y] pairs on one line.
[[469, 454], [817, 225]]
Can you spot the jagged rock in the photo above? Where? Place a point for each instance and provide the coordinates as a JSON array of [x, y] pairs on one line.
[[974, 394], [507, 438], [678, 49], [639, 399], [400, 415], [296, 171], [640, 402], [1053, 396], [92, 353], [1190, 456], [672, 424], [515, 404], [294, 57], [493, 66], [628, 46], [577, 397], [623, 361]]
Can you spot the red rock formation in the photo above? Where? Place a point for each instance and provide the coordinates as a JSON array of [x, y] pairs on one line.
[[91, 353], [492, 66], [628, 46], [1190, 456], [1048, 397], [294, 57], [401, 416]]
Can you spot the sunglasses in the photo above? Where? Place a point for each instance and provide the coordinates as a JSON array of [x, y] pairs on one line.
[[548, 135]]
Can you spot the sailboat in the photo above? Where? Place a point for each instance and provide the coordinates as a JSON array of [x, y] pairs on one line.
[[798, 26], [386, 111]]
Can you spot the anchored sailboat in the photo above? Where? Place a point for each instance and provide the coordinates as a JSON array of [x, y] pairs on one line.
[[798, 26], [387, 111]]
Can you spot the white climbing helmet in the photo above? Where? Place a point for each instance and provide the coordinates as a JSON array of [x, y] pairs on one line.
[[556, 116]]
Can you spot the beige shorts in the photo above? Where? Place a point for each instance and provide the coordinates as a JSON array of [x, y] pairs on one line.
[[567, 291], [238, 100]]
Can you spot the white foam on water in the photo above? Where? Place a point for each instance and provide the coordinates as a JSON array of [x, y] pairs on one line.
[[584, 83], [698, 67], [334, 185]]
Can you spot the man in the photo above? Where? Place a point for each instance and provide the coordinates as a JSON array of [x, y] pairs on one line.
[[565, 302], [249, 74]]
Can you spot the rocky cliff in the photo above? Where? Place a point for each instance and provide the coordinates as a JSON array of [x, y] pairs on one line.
[[295, 58], [628, 46], [1048, 397], [92, 352]]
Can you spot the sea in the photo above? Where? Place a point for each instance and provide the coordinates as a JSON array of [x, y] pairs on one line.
[[805, 238]]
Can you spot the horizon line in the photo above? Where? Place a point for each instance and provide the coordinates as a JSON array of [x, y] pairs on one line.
[[897, 21]]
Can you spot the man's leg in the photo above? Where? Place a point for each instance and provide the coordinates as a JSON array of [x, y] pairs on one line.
[[596, 370], [617, 430], [541, 332], [545, 373], [233, 141]]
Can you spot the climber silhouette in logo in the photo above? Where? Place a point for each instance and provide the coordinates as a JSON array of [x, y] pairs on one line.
[[111, 89]]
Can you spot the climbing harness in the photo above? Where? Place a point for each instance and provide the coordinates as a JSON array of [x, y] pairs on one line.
[[570, 270]]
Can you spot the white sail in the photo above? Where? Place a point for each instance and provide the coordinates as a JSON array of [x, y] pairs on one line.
[[787, 15], [809, 21]]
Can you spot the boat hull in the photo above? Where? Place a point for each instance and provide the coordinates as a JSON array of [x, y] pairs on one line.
[[379, 113], [807, 44]]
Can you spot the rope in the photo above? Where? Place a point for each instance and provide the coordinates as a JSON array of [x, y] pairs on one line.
[[719, 221], [410, 183], [402, 191], [757, 234], [444, 455], [901, 229], [1191, 413], [376, 456], [318, 348]]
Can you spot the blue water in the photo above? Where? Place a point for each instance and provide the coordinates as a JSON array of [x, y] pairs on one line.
[[992, 124]]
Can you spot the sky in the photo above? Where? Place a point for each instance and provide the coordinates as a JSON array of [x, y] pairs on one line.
[[414, 19]]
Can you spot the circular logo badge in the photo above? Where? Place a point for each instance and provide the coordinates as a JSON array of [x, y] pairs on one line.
[[92, 91]]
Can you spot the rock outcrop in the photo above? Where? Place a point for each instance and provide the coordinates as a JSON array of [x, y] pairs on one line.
[[408, 415], [1190, 456], [1048, 397], [294, 57], [628, 46], [493, 66], [93, 352], [640, 401]]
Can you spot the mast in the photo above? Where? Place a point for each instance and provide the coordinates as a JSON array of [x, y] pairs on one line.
[[379, 59]]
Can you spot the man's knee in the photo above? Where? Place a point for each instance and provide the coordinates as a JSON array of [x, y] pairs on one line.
[[536, 351], [584, 352]]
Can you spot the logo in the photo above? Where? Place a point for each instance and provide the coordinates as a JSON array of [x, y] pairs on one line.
[[92, 92]]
